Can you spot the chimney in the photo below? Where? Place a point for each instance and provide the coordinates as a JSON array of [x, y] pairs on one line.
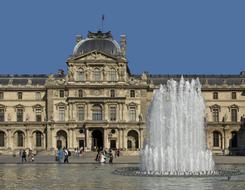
[[78, 38], [123, 45]]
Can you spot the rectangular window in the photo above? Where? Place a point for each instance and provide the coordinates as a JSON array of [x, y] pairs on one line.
[[215, 95], [62, 93], [97, 75], [81, 76], [80, 113], [112, 93], [1, 95], [19, 94], [233, 95], [113, 113], [38, 95], [132, 114], [2, 139], [234, 115], [132, 93], [61, 113], [19, 115], [216, 115], [38, 114], [113, 75], [1, 115], [80, 93]]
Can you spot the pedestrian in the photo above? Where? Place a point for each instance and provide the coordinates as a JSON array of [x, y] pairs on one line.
[[110, 157], [23, 156], [66, 155], [59, 155]]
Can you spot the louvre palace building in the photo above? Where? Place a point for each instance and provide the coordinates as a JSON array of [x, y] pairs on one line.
[[99, 103]]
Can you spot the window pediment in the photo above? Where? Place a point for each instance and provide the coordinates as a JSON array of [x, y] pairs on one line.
[[60, 104], [132, 104], [233, 106], [37, 106], [215, 106]]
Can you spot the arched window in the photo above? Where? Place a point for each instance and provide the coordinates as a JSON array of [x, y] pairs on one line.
[[234, 139], [216, 139], [2, 136], [112, 75], [97, 75], [234, 115], [97, 113], [38, 139], [20, 139]]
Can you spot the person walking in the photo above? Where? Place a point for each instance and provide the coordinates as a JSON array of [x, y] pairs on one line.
[[66, 155], [59, 155], [110, 157], [23, 156]]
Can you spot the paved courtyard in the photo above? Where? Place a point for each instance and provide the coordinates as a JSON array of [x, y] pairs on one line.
[[89, 158]]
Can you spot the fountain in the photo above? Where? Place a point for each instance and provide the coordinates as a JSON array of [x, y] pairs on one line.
[[176, 140], [176, 136]]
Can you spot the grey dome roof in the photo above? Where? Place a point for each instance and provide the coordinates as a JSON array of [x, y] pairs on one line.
[[98, 41]]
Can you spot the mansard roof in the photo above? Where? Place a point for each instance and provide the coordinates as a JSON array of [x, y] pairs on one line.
[[204, 79], [25, 79]]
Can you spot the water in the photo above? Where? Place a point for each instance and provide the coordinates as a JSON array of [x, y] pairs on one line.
[[93, 176], [176, 137]]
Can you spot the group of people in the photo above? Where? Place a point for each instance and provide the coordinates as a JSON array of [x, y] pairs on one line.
[[78, 152], [26, 156], [63, 154], [104, 156]]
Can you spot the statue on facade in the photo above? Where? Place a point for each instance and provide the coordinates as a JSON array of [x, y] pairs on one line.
[[71, 74], [224, 119]]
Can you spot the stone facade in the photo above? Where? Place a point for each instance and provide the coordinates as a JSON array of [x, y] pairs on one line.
[[99, 103]]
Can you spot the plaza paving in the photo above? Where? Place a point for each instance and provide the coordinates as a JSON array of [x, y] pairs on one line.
[[89, 158]]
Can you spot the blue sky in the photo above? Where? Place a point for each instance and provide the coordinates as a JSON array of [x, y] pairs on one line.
[[163, 37]]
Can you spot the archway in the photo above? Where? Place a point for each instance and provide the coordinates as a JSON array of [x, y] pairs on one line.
[[132, 140], [61, 139], [97, 139]]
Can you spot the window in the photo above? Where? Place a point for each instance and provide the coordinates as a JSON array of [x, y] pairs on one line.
[[19, 94], [38, 139], [62, 93], [96, 75], [80, 93], [112, 75], [97, 113], [113, 113], [38, 95], [19, 115], [1, 114], [80, 75], [62, 113], [1, 95], [132, 93], [132, 113], [112, 93], [2, 139], [234, 115], [233, 95], [80, 113], [38, 114], [215, 115], [216, 139], [215, 95], [20, 139]]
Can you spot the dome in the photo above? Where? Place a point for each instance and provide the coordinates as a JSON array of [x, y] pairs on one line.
[[98, 41]]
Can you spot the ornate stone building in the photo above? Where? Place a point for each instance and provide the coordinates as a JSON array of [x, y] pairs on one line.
[[99, 103]]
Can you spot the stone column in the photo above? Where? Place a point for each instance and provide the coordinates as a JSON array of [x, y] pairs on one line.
[[9, 139], [87, 139], [105, 139]]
